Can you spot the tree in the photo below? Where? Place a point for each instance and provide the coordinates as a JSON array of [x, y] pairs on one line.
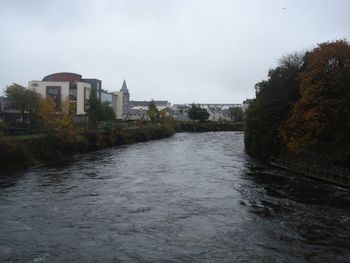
[[274, 99], [320, 119], [94, 108], [97, 110], [108, 113], [24, 100], [62, 124], [236, 114], [153, 112], [198, 113]]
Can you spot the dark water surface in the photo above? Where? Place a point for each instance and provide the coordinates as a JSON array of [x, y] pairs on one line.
[[189, 198]]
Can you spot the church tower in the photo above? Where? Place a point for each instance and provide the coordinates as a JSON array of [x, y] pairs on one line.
[[126, 94]]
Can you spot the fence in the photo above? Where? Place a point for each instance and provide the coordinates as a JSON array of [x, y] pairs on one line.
[[334, 175]]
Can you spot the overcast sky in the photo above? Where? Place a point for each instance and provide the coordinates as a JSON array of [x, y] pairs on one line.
[[177, 50]]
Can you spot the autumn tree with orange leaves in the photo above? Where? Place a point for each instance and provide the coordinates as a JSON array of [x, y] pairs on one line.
[[60, 124], [304, 107], [320, 119]]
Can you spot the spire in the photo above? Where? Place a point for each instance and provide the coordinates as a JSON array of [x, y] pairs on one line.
[[125, 91], [124, 88]]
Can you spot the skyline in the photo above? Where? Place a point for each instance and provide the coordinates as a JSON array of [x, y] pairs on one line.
[[180, 51]]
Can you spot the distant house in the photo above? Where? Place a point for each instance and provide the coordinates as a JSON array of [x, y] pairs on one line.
[[246, 104], [137, 113], [166, 112], [219, 112], [180, 112], [138, 110]]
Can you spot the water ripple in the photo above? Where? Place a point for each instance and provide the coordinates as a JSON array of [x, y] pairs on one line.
[[189, 198]]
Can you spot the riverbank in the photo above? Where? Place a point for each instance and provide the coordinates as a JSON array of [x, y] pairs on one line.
[[333, 175], [19, 152]]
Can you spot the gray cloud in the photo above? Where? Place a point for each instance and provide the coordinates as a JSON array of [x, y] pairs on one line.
[[183, 51]]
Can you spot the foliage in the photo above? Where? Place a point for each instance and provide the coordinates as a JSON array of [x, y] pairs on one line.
[[20, 152], [168, 121], [274, 99], [153, 112], [94, 109], [97, 111], [24, 100], [198, 113], [61, 125], [320, 120], [303, 108], [236, 114], [107, 112]]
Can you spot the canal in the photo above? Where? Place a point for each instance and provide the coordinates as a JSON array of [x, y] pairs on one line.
[[190, 198]]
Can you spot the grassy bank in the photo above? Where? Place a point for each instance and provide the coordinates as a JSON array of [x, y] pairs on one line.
[[18, 152]]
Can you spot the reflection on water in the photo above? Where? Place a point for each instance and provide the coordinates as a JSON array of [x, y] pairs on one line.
[[190, 198]]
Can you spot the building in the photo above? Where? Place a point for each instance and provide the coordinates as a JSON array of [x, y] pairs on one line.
[[166, 112], [66, 86], [96, 84], [117, 104], [220, 111], [180, 112], [246, 104], [215, 113], [136, 110], [125, 91]]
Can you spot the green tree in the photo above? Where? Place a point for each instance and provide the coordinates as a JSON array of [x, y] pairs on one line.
[[24, 100], [236, 114], [153, 112], [94, 108], [274, 99], [107, 112], [197, 113]]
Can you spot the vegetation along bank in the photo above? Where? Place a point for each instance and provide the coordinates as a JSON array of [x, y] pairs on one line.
[[18, 152], [301, 114]]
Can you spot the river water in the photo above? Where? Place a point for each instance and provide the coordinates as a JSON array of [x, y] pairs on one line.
[[190, 198]]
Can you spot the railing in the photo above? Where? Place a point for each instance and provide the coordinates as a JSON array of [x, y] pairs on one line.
[[334, 175]]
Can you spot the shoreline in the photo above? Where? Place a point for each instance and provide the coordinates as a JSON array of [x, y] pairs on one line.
[[21, 152]]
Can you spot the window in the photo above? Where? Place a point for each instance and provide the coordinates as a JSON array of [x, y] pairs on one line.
[[55, 93], [73, 95], [73, 98], [87, 93]]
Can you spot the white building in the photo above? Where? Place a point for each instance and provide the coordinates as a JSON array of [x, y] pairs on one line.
[[180, 112], [62, 93], [64, 87], [117, 104]]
